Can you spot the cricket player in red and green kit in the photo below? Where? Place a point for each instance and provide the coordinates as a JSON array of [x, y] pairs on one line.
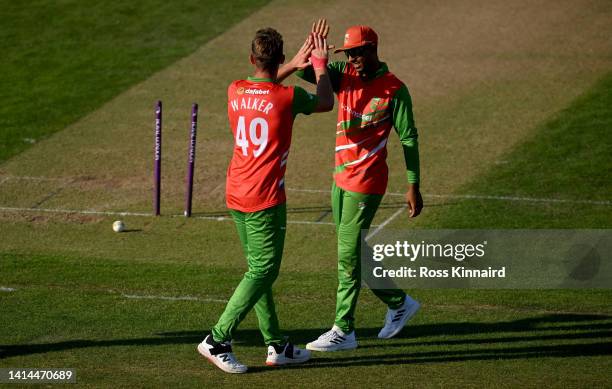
[[371, 100], [261, 113]]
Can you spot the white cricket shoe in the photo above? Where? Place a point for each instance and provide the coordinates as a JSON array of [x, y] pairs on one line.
[[286, 355], [334, 340], [220, 354], [396, 318]]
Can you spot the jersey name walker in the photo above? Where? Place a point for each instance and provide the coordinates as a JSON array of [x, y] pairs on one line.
[[261, 118], [364, 122]]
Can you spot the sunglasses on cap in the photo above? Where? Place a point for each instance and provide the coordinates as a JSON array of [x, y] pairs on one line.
[[356, 51]]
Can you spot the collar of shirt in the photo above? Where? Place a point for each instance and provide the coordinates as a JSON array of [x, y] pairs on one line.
[[255, 79], [381, 70]]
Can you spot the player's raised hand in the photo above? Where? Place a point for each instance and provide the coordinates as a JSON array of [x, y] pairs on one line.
[[300, 60], [320, 46], [318, 59], [320, 27]]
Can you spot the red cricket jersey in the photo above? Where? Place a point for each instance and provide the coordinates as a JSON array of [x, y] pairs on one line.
[[364, 122], [261, 118]]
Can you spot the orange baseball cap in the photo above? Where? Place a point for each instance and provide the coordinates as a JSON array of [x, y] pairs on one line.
[[358, 36]]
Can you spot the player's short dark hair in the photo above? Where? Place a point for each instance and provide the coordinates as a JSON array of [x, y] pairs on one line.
[[267, 48]]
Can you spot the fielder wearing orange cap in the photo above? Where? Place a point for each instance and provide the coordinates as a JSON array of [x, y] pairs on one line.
[[371, 101], [358, 36]]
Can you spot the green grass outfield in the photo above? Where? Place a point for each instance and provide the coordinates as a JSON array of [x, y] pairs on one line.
[[128, 309], [86, 53]]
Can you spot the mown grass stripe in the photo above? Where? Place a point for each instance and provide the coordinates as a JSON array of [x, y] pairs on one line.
[[86, 52], [563, 167]]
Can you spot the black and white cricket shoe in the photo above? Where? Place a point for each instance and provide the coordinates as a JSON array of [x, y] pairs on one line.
[[396, 319], [283, 355], [334, 340], [220, 354]]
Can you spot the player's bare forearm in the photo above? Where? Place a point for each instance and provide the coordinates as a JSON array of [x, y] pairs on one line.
[[318, 59], [285, 71], [414, 200], [324, 92]]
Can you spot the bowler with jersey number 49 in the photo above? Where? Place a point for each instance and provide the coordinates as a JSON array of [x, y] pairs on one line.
[[261, 113]]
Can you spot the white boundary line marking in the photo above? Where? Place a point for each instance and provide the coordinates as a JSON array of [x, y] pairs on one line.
[[5, 289], [32, 178], [212, 300], [169, 298], [147, 297], [139, 214], [303, 222], [73, 211], [383, 224], [306, 190], [480, 197]]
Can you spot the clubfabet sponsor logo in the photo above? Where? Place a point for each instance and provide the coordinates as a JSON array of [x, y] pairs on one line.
[[256, 92], [242, 90]]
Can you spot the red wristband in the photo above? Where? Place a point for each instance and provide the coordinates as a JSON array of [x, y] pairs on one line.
[[317, 62]]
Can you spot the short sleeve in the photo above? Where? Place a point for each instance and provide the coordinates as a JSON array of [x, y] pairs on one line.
[[303, 102]]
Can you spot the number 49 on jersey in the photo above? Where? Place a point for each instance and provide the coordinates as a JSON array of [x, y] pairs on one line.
[[257, 135]]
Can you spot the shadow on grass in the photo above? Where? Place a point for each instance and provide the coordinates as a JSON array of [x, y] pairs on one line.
[[588, 335], [501, 353]]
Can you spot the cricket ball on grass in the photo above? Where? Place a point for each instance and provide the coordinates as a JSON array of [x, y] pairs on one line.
[[118, 226]]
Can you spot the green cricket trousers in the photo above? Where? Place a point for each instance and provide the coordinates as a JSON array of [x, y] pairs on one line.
[[352, 213], [262, 235]]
